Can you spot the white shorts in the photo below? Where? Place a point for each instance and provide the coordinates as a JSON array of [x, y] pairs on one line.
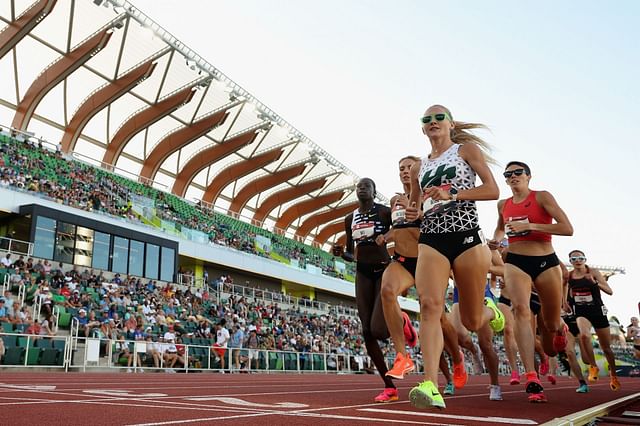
[[253, 354]]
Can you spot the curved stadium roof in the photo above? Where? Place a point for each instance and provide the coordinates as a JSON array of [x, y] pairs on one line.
[[116, 90]]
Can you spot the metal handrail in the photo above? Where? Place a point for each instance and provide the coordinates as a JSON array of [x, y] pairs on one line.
[[12, 245]]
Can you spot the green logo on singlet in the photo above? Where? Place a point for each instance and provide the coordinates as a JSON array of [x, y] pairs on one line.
[[434, 177]]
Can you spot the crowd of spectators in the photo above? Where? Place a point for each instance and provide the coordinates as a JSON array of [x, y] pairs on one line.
[[133, 309], [31, 167], [119, 309]]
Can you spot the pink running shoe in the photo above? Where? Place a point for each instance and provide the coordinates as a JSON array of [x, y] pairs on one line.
[[560, 339], [387, 395], [515, 378], [552, 379], [544, 365], [410, 335]]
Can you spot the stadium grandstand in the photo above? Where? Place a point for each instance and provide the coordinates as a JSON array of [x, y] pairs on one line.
[[127, 158], [147, 200]]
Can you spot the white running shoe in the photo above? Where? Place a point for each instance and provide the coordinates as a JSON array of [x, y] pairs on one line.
[[495, 393]]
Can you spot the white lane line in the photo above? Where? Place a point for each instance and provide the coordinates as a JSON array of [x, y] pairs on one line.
[[454, 416], [368, 419], [323, 416]]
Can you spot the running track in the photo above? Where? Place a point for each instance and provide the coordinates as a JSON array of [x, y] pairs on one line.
[[206, 398]]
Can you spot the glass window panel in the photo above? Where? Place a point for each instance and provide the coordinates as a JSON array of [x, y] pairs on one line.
[[136, 258], [101, 244], [167, 265], [152, 259], [45, 237], [120, 255], [65, 242], [84, 246]]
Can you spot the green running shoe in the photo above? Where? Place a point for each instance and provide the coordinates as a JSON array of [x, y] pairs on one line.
[[449, 389], [497, 323], [426, 395], [583, 388]]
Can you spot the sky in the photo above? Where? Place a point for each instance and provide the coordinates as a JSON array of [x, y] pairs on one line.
[[556, 83]]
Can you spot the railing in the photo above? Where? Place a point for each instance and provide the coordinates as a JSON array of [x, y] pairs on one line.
[[224, 290], [14, 246], [221, 290], [190, 281], [29, 350], [111, 167], [93, 353], [87, 353]]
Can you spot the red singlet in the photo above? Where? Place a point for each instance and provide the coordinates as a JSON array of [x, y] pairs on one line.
[[527, 210]]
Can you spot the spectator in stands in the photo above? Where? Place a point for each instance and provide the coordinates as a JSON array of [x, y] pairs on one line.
[[252, 345], [6, 261], [4, 312], [19, 264], [8, 300], [14, 316], [122, 351], [170, 355], [170, 334], [45, 299], [235, 345], [222, 339], [74, 300], [93, 323], [46, 267], [155, 350], [83, 322], [38, 268], [65, 290], [47, 328]]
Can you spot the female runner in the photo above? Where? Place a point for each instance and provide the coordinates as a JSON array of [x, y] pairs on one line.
[[450, 237], [531, 262]]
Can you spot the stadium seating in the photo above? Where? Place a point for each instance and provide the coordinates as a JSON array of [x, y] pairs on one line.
[[42, 165]]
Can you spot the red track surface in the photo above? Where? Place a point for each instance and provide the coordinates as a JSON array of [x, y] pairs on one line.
[[160, 398]]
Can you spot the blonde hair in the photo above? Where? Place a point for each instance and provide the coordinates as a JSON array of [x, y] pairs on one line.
[[460, 135], [409, 157]]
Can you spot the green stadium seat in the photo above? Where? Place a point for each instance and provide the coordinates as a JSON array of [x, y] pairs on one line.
[[59, 344], [13, 356], [64, 320], [7, 327], [10, 340], [50, 356], [44, 343], [318, 362], [33, 356]]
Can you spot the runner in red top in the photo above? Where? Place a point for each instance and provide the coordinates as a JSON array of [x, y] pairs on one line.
[[527, 218]]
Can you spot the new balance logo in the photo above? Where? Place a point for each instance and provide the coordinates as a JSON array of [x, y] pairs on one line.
[[468, 240]]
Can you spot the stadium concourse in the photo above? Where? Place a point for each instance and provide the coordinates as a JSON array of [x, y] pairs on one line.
[[165, 256]]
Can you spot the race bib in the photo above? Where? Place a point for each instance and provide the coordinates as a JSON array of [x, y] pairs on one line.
[[432, 207], [362, 231], [398, 216], [519, 219], [583, 297]]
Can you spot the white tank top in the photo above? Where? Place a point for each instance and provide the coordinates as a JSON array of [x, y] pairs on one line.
[[449, 169]]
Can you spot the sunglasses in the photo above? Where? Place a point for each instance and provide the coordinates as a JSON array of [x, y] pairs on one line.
[[573, 259], [438, 117], [517, 172]]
